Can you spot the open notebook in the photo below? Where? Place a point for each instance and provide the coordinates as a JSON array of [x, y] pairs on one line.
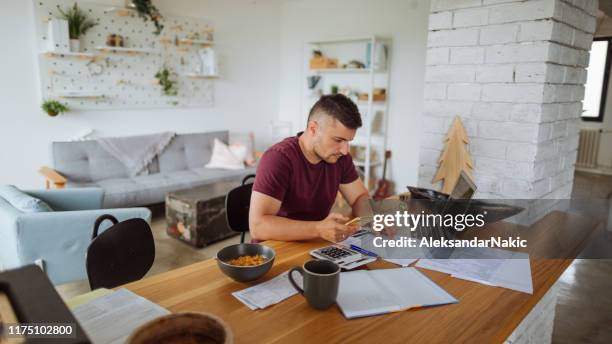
[[372, 292]]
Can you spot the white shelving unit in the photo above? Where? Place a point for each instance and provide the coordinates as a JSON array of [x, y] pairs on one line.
[[372, 136], [341, 70]]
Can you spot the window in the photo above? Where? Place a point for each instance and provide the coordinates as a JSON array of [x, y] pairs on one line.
[[596, 86]]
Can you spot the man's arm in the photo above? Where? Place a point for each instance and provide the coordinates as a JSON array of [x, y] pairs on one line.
[[357, 196], [264, 224]]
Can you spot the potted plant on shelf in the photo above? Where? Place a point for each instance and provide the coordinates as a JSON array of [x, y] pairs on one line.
[[78, 25], [53, 107], [164, 78], [146, 10]]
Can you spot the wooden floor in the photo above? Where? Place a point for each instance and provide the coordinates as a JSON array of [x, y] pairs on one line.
[[584, 309]]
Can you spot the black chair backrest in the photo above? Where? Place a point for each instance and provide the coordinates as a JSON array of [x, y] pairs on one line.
[[237, 203], [123, 253]]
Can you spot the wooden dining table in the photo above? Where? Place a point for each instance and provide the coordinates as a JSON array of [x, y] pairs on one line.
[[484, 314]]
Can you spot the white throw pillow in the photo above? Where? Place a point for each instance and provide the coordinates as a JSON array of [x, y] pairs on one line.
[[222, 157], [239, 150]]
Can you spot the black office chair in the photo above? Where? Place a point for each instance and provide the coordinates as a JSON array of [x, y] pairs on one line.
[[237, 203], [123, 253]]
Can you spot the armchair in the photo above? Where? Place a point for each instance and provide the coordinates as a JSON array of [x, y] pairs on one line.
[[57, 241]]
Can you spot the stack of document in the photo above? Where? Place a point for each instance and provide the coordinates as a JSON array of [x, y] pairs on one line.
[[113, 317], [488, 266], [268, 293], [372, 292]]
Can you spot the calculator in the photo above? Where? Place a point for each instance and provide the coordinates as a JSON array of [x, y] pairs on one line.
[[345, 257]]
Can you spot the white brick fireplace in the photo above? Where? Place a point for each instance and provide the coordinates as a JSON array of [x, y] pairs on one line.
[[515, 72]]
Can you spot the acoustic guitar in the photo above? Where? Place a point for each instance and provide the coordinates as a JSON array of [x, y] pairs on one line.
[[384, 186]]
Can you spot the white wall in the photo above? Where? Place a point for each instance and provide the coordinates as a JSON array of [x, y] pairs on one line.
[[405, 22], [260, 44], [246, 97]]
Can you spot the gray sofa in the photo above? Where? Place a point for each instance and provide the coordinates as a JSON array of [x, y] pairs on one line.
[[179, 166]]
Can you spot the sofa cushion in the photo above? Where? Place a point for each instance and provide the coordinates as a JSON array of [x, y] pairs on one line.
[[22, 201], [189, 151], [85, 161], [225, 158]]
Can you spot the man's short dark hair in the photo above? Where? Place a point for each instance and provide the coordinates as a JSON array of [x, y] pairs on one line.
[[340, 107]]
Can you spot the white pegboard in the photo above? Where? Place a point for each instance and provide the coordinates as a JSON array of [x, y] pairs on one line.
[[126, 80]]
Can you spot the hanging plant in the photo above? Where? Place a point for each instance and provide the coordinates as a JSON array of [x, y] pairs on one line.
[[53, 107], [147, 11], [165, 80], [78, 22]]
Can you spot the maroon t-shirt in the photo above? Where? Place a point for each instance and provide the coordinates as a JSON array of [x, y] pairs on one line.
[[307, 191]]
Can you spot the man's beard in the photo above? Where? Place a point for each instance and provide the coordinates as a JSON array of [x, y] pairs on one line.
[[330, 159]]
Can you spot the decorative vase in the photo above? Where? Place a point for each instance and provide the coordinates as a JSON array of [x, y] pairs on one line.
[[208, 61], [52, 113], [75, 45]]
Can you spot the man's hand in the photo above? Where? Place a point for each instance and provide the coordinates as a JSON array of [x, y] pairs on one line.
[[389, 232], [332, 228]]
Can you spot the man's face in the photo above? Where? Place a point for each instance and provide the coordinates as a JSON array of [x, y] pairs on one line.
[[332, 139]]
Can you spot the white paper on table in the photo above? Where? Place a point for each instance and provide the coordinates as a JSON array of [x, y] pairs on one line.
[[515, 274], [268, 293], [112, 318], [442, 265], [403, 262], [490, 266]]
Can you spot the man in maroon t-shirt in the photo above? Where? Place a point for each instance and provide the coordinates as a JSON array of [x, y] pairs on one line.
[[298, 178]]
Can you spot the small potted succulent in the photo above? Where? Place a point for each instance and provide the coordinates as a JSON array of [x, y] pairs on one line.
[[53, 107], [78, 25], [147, 11]]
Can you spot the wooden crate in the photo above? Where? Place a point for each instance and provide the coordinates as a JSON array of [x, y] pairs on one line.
[[197, 216]]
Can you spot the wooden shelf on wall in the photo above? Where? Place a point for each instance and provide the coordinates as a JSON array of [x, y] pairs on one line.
[[79, 95], [187, 41], [127, 50], [201, 76], [79, 55], [120, 11]]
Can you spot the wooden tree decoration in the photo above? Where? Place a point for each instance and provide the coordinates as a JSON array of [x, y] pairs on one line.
[[455, 157]]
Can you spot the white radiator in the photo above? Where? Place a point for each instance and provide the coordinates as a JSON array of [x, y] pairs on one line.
[[588, 148]]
